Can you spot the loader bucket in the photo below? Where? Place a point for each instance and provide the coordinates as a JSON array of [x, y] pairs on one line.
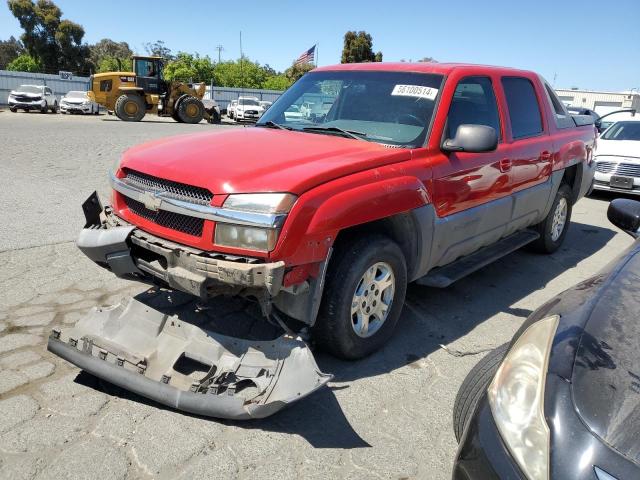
[[167, 354]]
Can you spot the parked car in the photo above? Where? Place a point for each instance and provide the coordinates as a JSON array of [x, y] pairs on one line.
[[231, 108], [326, 220], [265, 104], [562, 400], [247, 108], [33, 97], [618, 158], [583, 111], [78, 102], [608, 119]]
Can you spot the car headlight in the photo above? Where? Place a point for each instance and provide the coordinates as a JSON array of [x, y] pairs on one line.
[[516, 398], [261, 202], [251, 238]]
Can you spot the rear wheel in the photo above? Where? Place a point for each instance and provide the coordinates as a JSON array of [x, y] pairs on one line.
[[130, 108], [365, 289], [45, 108], [554, 227], [54, 109], [473, 387], [190, 110], [14, 110]]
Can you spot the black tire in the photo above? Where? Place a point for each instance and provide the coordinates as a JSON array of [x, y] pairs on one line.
[[546, 243], [130, 107], [474, 385], [54, 109], [45, 108], [13, 110], [215, 117], [334, 331], [190, 110]]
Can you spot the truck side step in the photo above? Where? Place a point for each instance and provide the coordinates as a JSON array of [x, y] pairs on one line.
[[442, 277]]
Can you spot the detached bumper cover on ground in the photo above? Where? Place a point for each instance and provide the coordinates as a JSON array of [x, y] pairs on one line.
[[174, 359]]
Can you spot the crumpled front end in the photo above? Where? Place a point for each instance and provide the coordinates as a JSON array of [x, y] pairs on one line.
[[173, 355]]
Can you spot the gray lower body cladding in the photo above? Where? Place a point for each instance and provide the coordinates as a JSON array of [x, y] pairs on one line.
[[167, 353]]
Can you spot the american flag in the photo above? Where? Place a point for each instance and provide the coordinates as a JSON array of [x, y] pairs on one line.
[[307, 57]]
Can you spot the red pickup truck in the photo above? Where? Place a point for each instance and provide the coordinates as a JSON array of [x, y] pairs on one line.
[[360, 179]]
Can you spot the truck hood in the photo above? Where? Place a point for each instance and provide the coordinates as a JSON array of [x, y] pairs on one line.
[[619, 148], [606, 374], [251, 159]]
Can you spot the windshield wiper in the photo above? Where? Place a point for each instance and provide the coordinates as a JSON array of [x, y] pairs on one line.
[[271, 124], [345, 133]]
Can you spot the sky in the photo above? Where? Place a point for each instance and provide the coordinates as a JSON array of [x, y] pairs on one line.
[[579, 43]]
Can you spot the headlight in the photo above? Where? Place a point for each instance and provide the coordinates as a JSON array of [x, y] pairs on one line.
[[251, 238], [261, 202], [516, 398]]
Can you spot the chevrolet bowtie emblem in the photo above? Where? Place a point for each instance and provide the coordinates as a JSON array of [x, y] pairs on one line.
[[152, 200]]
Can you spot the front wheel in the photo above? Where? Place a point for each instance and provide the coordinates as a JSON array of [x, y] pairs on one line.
[[365, 290], [54, 109], [13, 110], [45, 108], [190, 110], [553, 229], [473, 387]]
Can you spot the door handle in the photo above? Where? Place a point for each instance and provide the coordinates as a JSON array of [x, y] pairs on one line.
[[505, 165], [546, 156]]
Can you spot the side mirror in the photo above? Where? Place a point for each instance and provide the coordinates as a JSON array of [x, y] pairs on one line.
[[472, 138], [625, 214]]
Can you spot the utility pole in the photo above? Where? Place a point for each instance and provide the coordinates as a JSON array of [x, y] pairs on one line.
[[219, 48]]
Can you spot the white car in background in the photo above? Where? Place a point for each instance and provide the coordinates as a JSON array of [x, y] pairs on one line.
[[33, 97], [78, 102], [248, 108], [617, 157], [231, 108]]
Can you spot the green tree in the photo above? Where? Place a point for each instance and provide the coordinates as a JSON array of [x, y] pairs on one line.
[[276, 82], [24, 63], [158, 49], [358, 48], [106, 53], [55, 43], [188, 67], [294, 72], [240, 73], [9, 51]]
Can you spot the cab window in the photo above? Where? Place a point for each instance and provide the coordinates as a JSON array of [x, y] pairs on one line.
[[524, 111], [473, 103], [145, 68]]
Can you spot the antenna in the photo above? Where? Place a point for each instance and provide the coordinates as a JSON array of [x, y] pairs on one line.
[[241, 64], [220, 49]]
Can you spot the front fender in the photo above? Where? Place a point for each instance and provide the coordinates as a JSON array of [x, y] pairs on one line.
[[368, 203], [313, 226]]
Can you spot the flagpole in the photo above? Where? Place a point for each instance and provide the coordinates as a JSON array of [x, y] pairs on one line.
[[317, 56]]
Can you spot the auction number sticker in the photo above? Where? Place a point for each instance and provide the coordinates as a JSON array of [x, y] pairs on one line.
[[417, 91]]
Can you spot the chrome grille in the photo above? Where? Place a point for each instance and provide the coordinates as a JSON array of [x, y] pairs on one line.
[[614, 168], [174, 221], [179, 191]]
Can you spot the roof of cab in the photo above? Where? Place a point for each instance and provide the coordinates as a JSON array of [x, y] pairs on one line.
[[421, 67]]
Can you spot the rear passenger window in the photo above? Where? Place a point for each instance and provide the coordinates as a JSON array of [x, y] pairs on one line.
[[524, 111], [562, 118], [473, 103]]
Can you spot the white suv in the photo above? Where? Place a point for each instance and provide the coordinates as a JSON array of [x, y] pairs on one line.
[[33, 97]]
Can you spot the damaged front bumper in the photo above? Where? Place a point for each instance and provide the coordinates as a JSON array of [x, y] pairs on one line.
[[132, 253], [169, 355]]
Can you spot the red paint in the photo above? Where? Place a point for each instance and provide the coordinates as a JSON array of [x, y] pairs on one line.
[[343, 182]]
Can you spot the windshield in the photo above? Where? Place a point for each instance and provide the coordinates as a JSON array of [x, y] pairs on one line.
[[76, 95], [29, 89], [623, 131], [387, 107], [248, 101]]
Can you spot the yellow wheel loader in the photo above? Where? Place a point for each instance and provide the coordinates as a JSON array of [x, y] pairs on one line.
[[131, 95]]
